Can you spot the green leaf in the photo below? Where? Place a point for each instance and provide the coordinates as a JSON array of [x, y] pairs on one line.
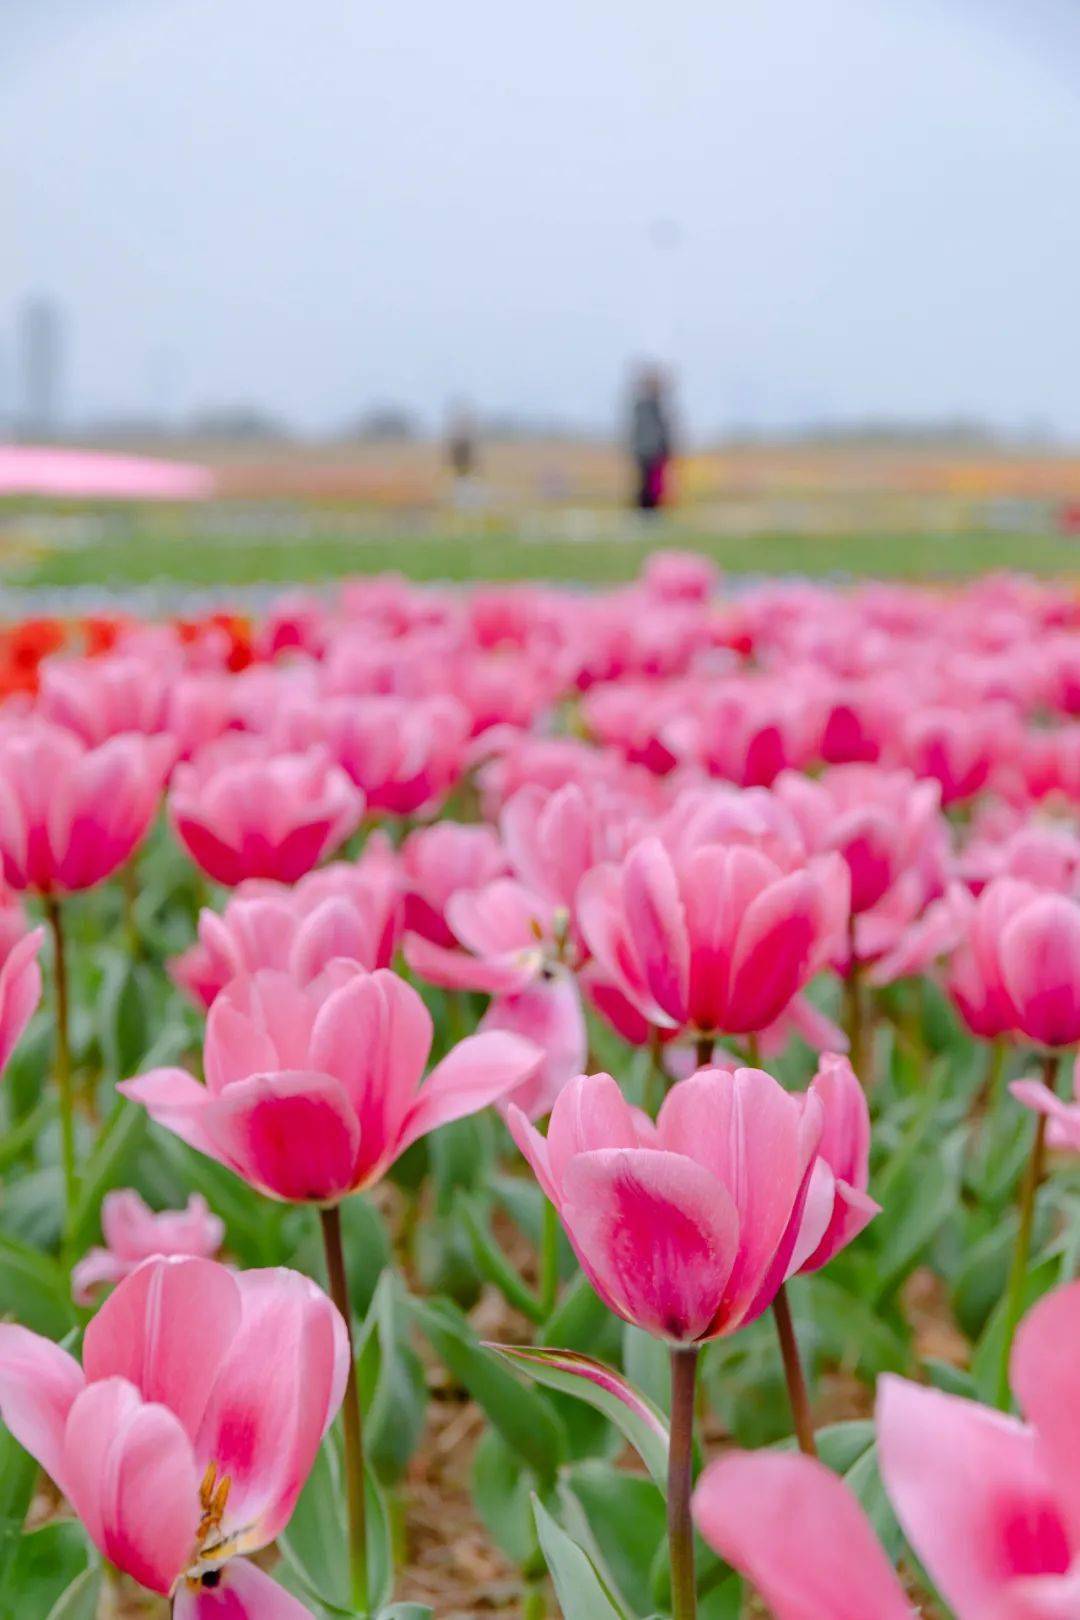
[[18, 1475], [502, 1492], [492, 1263], [407, 1611], [80, 1601], [47, 1564], [315, 1542], [581, 1593], [626, 1516], [600, 1386], [915, 1204], [124, 999], [392, 1383], [117, 1144], [522, 1417], [34, 1289]]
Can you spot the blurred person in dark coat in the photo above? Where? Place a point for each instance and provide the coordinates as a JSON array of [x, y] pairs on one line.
[[650, 438]]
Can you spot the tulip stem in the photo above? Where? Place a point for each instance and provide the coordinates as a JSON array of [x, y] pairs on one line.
[[793, 1373], [355, 1490], [684, 1363], [63, 1060], [549, 1259], [705, 1044], [1014, 1293]]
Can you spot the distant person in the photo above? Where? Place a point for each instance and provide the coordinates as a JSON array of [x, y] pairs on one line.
[[462, 454], [650, 439]]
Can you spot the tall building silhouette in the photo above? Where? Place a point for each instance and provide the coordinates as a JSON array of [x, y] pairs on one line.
[[39, 361]]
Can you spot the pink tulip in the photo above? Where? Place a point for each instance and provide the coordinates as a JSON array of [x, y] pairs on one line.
[[1039, 953], [719, 814], [687, 1228], [796, 1531], [98, 698], [974, 979], [719, 940], [404, 754], [20, 991], [243, 812], [183, 1440], [554, 838], [989, 1503], [134, 1233], [312, 1091], [1040, 852], [958, 748], [747, 730], [884, 824], [506, 936], [680, 576], [71, 815], [340, 911], [439, 860], [837, 1204]]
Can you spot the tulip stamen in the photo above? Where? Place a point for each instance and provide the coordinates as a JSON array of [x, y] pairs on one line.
[[213, 1497]]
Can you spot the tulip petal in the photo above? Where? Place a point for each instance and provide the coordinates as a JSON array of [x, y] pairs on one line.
[[657, 1234], [758, 1142], [164, 1330], [971, 1491], [130, 1474], [1044, 1378], [591, 1113], [1039, 952], [796, 1531], [20, 991], [293, 1134], [474, 1073], [457, 970], [240, 1591], [277, 1392], [373, 1035], [175, 1099], [656, 922], [39, 1382]]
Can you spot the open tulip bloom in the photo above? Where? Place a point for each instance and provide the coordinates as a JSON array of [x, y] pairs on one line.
[[989, 1503], [718, 940], [686, 1228], [184, 1438], [312, 1091]]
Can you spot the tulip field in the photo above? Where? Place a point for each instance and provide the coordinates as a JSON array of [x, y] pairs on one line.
[[529, 1101]]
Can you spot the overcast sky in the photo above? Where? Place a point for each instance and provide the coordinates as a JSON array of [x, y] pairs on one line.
[[815, 207]]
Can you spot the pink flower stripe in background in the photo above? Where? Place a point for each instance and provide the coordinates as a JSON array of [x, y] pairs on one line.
[[93, 475]]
